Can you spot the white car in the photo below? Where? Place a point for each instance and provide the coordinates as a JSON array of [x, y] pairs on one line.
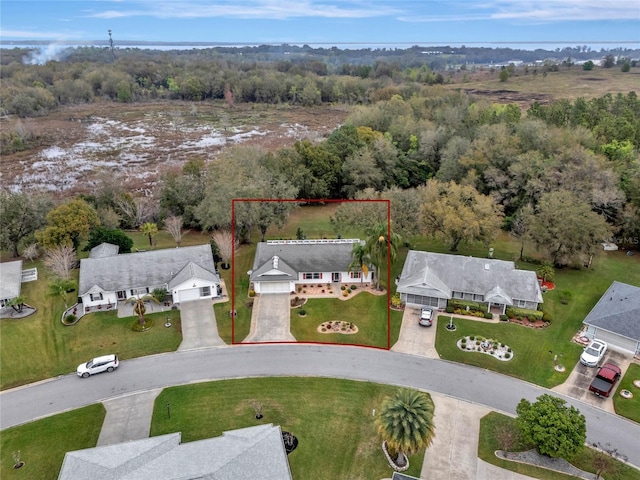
[[106, 363], [593, 353], [426, 317]]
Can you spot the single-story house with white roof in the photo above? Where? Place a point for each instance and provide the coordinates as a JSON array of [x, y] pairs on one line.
[[245, 454], [280, 265], [10, 281], [431, 279], [187, 273], [615, 319]]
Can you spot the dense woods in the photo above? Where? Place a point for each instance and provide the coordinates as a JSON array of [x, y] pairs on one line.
[[452, 164]]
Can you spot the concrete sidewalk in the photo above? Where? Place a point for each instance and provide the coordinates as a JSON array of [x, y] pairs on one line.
[[199, 327], [128, 418]]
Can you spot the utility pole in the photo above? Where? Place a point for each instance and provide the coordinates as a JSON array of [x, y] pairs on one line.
[[113, 52]]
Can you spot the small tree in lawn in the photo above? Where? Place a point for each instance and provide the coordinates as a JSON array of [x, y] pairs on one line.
[[59, 288], [140, 308], [546, 272], [17, 303], [379, 244], [225, 242], [173, 225], [555, 429], [150, 230], [60, 260], [360, 258], [405, 423]]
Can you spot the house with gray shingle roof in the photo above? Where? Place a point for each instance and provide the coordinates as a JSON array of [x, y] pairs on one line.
[[431, 279], [10, 281], [187, 273], [615, 319], [280, 265], [253, 453]]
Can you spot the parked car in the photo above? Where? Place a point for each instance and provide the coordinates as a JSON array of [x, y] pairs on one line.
[[105, 363], [426, 317], [593, 353], [604, 381]]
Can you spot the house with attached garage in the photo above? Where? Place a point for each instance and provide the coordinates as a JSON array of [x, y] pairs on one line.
[[432, 279], [186, 273], [615, 319], [280, 266], [10, 281]]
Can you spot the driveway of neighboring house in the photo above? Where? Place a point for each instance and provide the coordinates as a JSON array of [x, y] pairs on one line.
[[270, 319], [577, 384], [199, 327], [414, 339]]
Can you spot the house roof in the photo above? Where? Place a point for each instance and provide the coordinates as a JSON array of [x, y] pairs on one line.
[[104, 250], [439, 274], [618, 311], [301, 256], [10, 279], [245, 454], [192, 270], [156, 267]]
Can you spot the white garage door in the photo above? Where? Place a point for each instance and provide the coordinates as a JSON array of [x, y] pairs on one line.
[[616, 340], [189, 294], [274, 287]]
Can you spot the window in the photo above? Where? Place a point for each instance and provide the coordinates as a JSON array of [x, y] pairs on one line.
[[522, 303], [312, 276], [95, 296], [205, 291], [478, 298], [355, 274], [456, 294]]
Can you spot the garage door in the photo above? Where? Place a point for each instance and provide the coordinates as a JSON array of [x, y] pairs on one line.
[[189, 294], [274, 287], [616, 340]]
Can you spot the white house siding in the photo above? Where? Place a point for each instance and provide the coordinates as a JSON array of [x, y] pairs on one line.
[[107, 298], [613, 339], [327, 277], [192, 290]]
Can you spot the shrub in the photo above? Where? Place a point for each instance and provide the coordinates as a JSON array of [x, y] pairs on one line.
[[252, 293], [488, 315], [70, 319], [449, 309], [299, 289], [342, 287], [160, 294], [302, 312], [504, 318], [546, 316], [524, 312], [395, 300], [304, 291], [472, 337], [345, 293], [353, 287], [463, 304], [507, 355]]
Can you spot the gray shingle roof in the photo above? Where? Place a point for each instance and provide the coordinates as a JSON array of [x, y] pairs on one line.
[[618, 311], [10, 279], [303, 257], [254, 453], [104, 250], [274, 270], [133, 270], [438, 274]]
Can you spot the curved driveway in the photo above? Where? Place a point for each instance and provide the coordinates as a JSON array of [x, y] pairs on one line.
[[496, 391]]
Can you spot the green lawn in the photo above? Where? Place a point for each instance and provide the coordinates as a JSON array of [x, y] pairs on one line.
[[629, 407], [367, 311], [43, 443], [332, 420], [584, 460]]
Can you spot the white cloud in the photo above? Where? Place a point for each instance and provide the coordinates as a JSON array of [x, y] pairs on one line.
[[246, 9], [32, 35]]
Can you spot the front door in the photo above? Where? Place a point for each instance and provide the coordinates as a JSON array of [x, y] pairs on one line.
[[336, 276]]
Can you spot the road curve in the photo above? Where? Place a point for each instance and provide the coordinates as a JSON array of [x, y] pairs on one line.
[[483, 387]]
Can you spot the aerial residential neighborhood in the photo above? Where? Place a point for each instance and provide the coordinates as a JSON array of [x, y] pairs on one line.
[[261, 240]]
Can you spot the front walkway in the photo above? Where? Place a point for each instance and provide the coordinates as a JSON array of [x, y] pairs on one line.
[[128, 418], [271, 319], [199, 327]]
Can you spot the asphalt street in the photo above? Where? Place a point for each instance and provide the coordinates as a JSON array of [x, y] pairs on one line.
[[482, 387]]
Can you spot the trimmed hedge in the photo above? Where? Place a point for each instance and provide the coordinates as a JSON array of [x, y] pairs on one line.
[[524, 312], [459, 303]]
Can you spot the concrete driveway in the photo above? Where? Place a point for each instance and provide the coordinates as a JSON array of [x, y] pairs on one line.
[[271, 319], [577, 384], [199, 327], [414, 339]]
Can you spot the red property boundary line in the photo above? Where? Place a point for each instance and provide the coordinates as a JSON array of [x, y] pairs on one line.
[[298, 200]]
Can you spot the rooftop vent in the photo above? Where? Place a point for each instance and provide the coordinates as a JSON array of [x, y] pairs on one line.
[[486, 266], [275, 261]]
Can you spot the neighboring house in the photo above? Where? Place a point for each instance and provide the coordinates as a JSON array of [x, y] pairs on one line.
[[10, 281], [615, 319], [253, 453], [280, 265], [434, 278], [187, 273]]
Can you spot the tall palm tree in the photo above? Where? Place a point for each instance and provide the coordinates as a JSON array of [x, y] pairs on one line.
[[405, 423], [150, 229], [360, 260], [139, 307], [379, 244]]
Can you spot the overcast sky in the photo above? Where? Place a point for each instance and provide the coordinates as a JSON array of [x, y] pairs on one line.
[[521, 23]]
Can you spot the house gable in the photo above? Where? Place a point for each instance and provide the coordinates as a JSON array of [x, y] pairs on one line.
[[618, 311]]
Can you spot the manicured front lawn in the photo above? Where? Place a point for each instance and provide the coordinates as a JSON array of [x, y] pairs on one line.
[[368, 312], [43, 443], [584, 460], [332, 420], [629, 407]]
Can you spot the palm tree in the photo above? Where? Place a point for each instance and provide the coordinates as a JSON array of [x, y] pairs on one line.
[[360, 260], [150, 229], [379, 244], [406, 423], [17, 303], [60, 287], [139, 307]]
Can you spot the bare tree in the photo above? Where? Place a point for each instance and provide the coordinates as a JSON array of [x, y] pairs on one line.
[[173, 225], [226, 244], [60, 260], [31, 252], [507, 437], [138, 210]]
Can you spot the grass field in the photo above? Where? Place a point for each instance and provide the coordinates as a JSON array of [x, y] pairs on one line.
[[584, 460], [43, 443], [629, 407], [332, 420]]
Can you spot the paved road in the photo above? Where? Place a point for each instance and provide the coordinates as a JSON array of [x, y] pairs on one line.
[[482, 387]]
